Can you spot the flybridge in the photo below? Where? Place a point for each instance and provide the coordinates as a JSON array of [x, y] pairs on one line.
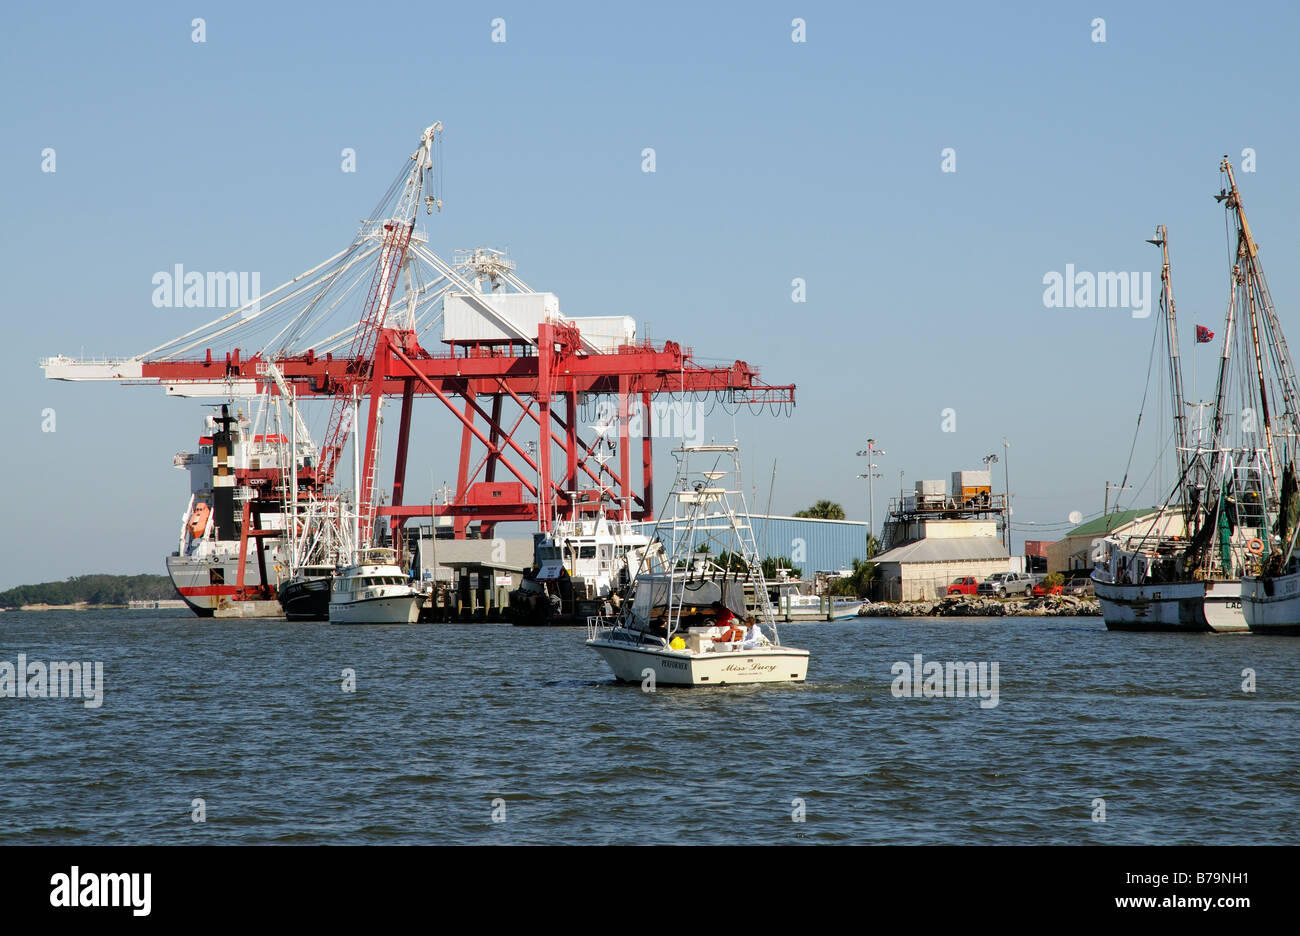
[[353, 330]]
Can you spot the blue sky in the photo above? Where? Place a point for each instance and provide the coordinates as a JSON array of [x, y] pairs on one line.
[[774, 160]]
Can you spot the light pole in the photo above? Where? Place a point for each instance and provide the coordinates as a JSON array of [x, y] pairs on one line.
[[1006, 474], [992, 459], [870, 452]]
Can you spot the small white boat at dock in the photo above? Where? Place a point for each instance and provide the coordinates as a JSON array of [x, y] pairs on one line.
[[374, 591]]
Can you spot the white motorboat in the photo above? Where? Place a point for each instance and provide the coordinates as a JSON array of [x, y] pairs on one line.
[[678, 626], [797, 601], [374, 591]]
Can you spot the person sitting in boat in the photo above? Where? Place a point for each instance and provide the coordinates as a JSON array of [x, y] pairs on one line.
[[754, 635], [725, 621]]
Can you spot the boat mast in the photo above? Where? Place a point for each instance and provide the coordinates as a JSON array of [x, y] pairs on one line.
[[1249, 274], [1161, 240]]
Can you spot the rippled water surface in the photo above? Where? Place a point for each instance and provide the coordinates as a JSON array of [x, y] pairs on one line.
[[447, 719]]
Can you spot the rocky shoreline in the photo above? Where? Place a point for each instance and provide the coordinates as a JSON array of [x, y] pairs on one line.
[[973, 606]]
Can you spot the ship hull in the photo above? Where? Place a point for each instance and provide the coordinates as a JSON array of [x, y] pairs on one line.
[[1272, 606], [1188, 607], [208, 587]]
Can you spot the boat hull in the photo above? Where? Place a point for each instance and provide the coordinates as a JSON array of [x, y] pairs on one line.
[[711, 668], [815, 611], [1188, 607], [1272, 606], [404, 609], [306, 599]]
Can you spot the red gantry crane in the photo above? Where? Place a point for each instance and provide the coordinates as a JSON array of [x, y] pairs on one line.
[[342, 332]]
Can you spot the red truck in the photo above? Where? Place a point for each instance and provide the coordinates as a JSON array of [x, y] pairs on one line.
[[966, 585]]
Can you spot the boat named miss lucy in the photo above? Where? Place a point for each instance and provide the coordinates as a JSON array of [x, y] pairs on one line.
[[692, 621]]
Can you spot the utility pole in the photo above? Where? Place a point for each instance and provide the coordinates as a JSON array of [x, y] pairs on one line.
[[870, 452], [1117, 487]]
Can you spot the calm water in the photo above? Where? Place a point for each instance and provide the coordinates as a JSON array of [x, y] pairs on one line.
[[448, 718]]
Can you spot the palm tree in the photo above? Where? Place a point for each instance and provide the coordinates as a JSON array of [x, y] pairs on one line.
[[859, 583], [772, 563], [823, 510]]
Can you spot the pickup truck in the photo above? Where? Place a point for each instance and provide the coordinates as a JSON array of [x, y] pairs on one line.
[[966, 585], [1001, 584]]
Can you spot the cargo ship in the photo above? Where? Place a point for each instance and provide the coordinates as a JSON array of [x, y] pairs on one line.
[[231, 551]]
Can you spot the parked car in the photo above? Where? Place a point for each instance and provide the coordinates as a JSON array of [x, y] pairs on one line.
[[1042, 590], [1079, 584], [1001, 584], [966, 585]]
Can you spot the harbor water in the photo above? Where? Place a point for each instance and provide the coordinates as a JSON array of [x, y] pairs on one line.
[[467, 734]]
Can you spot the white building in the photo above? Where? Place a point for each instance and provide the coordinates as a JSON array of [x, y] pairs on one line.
[[923, 568]]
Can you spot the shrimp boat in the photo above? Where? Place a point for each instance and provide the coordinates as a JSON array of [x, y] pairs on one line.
[[1196, 567], [318, 549], [668, 626], [1270, 585], [1156, 579]]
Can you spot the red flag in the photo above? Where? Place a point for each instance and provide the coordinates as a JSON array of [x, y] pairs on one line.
[[1203, 335]]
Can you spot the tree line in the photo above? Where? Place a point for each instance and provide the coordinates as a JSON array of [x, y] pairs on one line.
[[92, 589]]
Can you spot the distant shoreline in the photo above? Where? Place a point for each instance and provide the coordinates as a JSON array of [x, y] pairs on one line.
[[149, 605], [92, 591]]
